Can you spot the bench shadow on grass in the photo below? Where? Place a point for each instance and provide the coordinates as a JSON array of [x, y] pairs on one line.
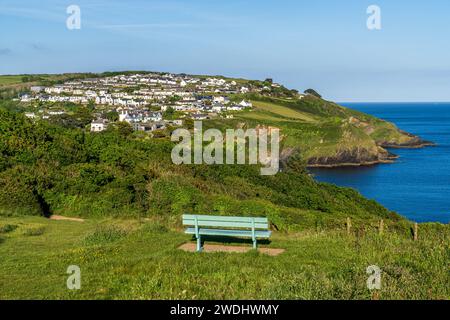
[[230, 240]]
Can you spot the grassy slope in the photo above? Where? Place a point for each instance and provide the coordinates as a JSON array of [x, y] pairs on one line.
[[323, 129], [49, 169], [285, 112], [13, 85], [10, 80], [142, 262]]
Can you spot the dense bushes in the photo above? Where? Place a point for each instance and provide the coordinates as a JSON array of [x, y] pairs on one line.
[[46, 169]]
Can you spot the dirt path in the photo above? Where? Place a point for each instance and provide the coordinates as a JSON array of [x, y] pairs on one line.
[[191, 247], [55, 217]]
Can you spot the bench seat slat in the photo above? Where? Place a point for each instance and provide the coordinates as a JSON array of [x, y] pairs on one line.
[[230, 233], [225, 224], [224, 218]]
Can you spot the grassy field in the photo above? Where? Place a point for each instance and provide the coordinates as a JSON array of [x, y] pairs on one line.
[[284, 111], [21, 83], [9, 80], [128, 259]]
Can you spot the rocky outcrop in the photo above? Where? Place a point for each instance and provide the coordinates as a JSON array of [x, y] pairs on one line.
[[414, 143], [353, 157]]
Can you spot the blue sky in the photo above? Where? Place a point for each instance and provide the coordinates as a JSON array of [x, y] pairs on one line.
[[323, 44]]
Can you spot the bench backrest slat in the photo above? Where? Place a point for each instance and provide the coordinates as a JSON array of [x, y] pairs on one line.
[[225, 221]]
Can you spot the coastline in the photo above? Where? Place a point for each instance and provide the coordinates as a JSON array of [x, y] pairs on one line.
[[416, 185], [350, 164], [384, 158], [409, 146]]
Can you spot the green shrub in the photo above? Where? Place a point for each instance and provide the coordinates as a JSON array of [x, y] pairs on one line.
[[7, 228]]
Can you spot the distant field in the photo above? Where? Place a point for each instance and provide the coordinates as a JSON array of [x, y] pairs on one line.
[[130, 260], [283, 111], [261, 115], [16, 80], [9, 80]]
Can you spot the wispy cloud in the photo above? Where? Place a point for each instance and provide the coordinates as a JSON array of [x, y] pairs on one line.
[[5, 51], [38, 46], [144, 26], [33, 13]]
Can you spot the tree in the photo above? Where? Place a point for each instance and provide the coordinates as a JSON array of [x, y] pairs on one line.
[[313, 93], [124, 128], [169, 112], [189, 123], [91, 105], [30, 78], [174, 98], [84, 116], [112, 116], [66, 121]]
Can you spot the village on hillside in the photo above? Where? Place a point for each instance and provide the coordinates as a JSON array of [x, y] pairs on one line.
[[148, 101]]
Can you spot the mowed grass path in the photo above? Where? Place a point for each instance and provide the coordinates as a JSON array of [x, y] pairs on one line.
[[132, 260], [284, 111]]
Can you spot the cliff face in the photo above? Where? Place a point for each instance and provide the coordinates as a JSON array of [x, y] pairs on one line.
[[413, 143], [364, 152], [353, 157], [369, 151]]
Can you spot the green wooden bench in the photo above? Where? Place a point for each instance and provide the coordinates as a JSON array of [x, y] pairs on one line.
[[242, 227]]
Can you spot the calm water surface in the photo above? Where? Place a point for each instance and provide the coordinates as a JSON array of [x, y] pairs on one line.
[[418, 184]]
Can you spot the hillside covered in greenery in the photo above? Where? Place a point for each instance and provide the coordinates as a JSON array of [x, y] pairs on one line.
[[131, 196], [324, 133], [57, 166], [48, 169]]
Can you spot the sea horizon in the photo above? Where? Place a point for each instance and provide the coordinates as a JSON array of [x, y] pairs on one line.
[[393, 102]]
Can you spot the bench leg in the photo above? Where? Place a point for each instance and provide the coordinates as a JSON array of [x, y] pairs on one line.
[[255, 246], [199, 244]]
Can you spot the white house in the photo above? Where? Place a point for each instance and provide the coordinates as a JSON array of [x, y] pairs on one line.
[[99, 125], [236, 107], [221, 99], [246, 104], [56, 112], [199, 116], [153, 116], [123, 113], [218, 108], [25, 98], [37, 89]]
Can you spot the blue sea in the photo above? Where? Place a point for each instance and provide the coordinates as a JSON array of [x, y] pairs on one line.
[[417, 185]]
